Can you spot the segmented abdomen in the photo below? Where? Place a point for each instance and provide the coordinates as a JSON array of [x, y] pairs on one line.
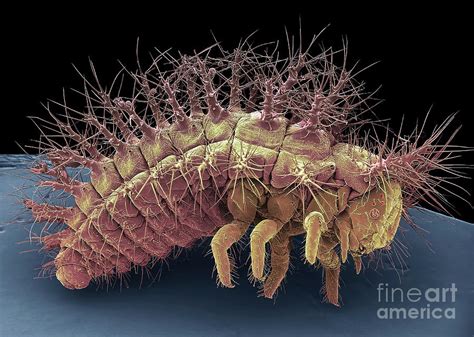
[[130, 213]]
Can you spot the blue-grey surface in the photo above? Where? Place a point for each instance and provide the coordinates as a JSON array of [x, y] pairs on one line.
[[186, 301]]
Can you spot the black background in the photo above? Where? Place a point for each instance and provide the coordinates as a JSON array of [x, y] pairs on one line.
[[424, 54]]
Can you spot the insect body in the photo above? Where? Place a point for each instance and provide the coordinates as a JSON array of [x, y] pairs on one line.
[[221, 158]]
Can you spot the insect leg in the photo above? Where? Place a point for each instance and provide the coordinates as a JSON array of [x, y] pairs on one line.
[[315, 226], [281, 209], [332, 267], [331, 284], [343, 223], [354, 245], [225, 237], [242, 204], [280, 261], [358, 263]]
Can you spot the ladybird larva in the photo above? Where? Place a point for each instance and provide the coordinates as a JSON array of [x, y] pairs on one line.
[[220, 145]]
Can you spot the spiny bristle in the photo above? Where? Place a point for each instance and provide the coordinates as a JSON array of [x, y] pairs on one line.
[[312, 88], [424, 167]]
